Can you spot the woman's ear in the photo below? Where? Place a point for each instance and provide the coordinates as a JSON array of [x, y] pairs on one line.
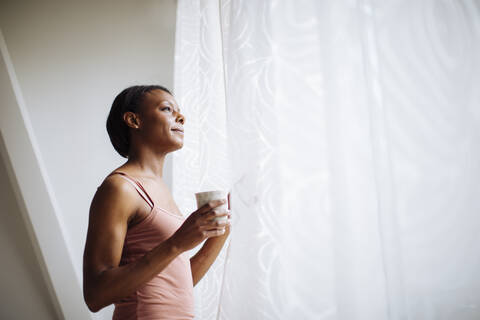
[[131, 119]]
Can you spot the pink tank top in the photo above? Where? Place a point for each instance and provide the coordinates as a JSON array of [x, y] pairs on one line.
[[169, 295]]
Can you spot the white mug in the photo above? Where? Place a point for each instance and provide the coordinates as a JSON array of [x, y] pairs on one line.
[[206, 196]]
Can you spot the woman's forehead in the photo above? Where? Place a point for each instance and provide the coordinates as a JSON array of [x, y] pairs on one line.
[[158, 96]]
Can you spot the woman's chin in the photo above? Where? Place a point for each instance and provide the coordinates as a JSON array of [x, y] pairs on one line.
[[179, 145]]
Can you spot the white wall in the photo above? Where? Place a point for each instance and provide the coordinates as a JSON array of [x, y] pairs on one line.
[[23, 290], [71, 58]]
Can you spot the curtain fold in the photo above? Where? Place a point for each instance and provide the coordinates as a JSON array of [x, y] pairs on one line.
[[348, 133]]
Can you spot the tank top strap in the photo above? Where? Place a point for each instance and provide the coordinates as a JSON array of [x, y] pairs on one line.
[[138, 186]]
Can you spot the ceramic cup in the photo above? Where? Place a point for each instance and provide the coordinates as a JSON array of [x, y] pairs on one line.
[[206, 196]]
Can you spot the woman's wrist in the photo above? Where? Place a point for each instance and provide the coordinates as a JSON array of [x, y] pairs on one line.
[[172, 246]]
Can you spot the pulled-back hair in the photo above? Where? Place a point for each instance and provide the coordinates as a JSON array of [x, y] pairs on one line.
[[129, 99]]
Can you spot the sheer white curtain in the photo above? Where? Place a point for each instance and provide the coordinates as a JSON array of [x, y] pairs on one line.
[[349, 133]]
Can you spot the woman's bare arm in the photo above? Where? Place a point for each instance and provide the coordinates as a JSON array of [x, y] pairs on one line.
[[104, 281], [201, 262], [206, 256]]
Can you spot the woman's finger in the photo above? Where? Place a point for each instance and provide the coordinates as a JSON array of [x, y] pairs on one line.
[[209, 206], [219, 222], [218, 213], [214, 223], [214, 233]]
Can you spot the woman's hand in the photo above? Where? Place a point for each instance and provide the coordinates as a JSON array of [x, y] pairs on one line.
[[227, 227], [201, 224]]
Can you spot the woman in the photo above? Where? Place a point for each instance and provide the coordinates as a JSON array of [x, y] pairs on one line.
[[135, 253]]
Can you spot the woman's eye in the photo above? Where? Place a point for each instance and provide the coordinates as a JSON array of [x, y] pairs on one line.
[[167, 108]]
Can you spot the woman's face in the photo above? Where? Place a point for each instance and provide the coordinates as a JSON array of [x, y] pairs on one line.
[[161, 121]]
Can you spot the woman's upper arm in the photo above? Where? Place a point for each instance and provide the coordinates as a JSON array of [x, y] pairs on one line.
[[110, 210]]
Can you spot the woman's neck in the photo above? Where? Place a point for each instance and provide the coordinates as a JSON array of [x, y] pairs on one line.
[[146, 164]]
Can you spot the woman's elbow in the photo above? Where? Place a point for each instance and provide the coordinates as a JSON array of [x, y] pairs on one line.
[[91, 305], [92, 302]]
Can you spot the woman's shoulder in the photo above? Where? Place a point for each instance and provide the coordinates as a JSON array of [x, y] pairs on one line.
[[115, 184], [115, 193]]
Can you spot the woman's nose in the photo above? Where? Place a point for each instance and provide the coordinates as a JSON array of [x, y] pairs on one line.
[[180, 118]]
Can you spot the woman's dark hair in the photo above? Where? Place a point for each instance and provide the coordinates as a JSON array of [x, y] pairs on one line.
[[129, 99]]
